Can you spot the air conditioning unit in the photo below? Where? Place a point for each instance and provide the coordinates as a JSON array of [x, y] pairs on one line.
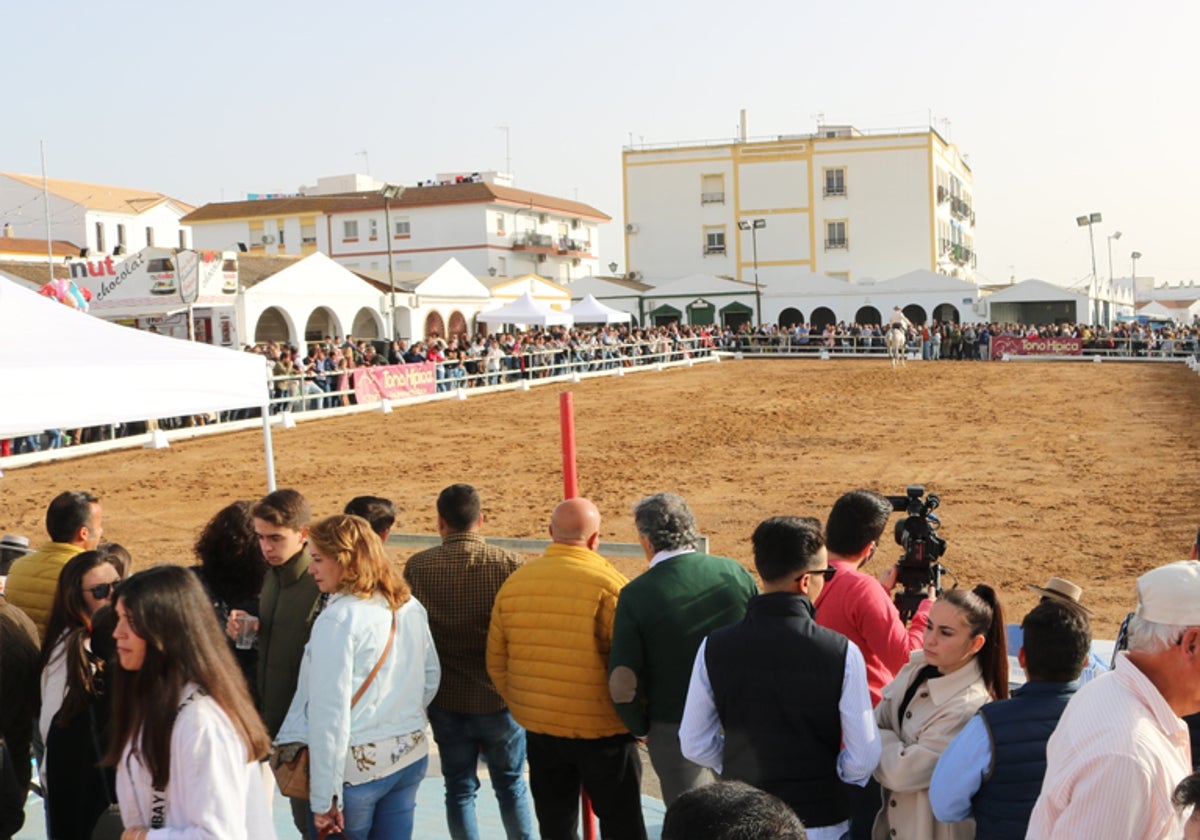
[[268, 239], [574, 224], [541, 258], [575, 260], [631, 228], [636, 276], [544, 218]]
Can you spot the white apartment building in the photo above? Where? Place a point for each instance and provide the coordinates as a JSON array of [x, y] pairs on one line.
[[490, 227], [102, 219], [841, 202]]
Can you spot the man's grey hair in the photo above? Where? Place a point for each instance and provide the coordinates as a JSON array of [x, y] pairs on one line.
[[666, 521], [1152, 637]]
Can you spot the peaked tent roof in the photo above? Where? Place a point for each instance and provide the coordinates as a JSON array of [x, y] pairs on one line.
[[315, 275], [591, 311], [1034, 290], [702, 284], [526, 310], [96, 373], [922, 279], [452, 280]]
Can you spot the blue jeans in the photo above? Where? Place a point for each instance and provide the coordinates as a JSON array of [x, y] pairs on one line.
[[383, 809], [460, 739]]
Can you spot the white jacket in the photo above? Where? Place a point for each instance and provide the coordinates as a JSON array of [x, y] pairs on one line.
[[347, 640], [214, 793]]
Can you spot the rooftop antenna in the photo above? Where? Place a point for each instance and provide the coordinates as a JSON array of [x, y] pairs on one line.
[[366, 160], [820, 118], [507, 150]]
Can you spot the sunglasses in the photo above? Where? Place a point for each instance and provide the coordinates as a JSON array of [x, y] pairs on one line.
[[828, 572], [101, 592]]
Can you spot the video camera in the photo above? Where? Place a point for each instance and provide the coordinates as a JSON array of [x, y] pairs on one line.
[[918, 570]]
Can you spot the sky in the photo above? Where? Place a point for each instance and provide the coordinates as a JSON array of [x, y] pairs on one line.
[[1062, 108]]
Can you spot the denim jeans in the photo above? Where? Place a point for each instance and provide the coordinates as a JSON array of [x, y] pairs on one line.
[[460, 739], [383, 809]]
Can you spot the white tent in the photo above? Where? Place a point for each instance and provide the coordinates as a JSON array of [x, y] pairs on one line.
[[62, 368], [526, 310], [591, 311]]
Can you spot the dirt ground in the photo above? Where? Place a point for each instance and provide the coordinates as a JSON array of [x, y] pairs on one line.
[[1078, 470]]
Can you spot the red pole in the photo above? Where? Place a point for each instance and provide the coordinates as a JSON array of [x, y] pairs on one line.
[[566, 414]]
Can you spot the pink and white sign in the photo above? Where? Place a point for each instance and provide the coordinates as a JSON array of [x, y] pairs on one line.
[[373, 384], [1015, 345]]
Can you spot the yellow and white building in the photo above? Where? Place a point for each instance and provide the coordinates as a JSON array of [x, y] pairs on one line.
[[841, 202]]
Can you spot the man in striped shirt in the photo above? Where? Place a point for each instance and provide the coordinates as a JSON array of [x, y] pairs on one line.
[[1121, 746]]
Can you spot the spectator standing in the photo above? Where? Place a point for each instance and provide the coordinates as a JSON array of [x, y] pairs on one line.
[[12, 547], [186, 739], [1121, 747], [860, 607], [19, 666], [778, 701], [74, 521], [285, 609], [731, 811], [1064, 592], [662, 617], [993, 769], [548, 645], [963, 665], [457, 582]]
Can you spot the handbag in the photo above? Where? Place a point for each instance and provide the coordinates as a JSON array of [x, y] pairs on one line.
[[289, 762]]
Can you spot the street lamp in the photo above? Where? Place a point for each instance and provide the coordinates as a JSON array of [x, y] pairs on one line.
[[1116, 234], [612, 267], [1134, 257], [1088, 221], [754, 226], [390, 191]]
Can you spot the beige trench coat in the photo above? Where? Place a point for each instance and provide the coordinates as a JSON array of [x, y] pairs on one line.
[[936, 713]]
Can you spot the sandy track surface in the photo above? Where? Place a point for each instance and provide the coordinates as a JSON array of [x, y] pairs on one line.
[[1078, 470]]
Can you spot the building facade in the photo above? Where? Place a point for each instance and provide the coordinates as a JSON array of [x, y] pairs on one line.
[[105, 220], [840, 202], [489, 227]]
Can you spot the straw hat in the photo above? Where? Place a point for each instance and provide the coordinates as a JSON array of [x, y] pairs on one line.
[[12, 542], [1061, 590]]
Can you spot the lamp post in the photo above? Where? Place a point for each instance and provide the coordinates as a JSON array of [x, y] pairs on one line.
[[612, 267], [1134, 257], [1088, 221], [754, 226], [390, 191]]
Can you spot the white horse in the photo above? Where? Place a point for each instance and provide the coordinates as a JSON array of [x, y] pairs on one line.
[[895, 340]]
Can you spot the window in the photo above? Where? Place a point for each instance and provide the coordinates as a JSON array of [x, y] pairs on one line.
[[835, 235], [350, 231], [835, 182], [712, 189], [502, 266], [150, 237], [500, 224], [714, 240], [120, 234], [281, 235], [844, 276], [100, 237], [308, 231], [373, 229], [403, 228], [183, 239]]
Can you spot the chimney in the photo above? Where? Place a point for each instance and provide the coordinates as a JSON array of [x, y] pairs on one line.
[[742, 126], [8, 230]]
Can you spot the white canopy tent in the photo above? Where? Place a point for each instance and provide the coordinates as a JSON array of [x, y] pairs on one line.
[[591, 311], [62, 368], [525, 310]]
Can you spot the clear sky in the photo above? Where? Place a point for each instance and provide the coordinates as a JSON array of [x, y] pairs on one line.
[[1063, 108]]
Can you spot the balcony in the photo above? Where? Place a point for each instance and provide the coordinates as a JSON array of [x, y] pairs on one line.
[[960, 209], [959, 254], [714, 250], [573, 247], [712, 198], [543, 242], [835, 191], [837, 244]]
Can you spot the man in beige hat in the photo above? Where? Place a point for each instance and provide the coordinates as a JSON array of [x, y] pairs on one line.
[[1064, 592], [1121, 746]]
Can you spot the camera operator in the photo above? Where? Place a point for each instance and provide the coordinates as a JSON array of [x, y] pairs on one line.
[[860, 607]]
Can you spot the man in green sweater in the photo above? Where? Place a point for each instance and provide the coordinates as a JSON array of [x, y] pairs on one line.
[[662, 616]]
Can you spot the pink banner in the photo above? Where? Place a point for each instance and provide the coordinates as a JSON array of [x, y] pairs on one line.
[[373, 384], [1017, 346]]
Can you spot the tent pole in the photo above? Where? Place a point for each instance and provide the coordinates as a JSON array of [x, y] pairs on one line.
[[268, 448]]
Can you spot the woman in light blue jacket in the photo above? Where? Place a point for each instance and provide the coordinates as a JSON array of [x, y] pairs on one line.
[[368, 753]]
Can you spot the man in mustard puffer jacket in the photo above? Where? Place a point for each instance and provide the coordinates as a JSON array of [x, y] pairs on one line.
[[73, 522], [547, 654]]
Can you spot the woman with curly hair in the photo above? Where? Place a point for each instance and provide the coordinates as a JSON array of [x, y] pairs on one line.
[[232, 569], [186, 738], [371, 643]]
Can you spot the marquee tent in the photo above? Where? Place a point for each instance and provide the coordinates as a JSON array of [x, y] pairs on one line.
[[63, 368], [591, 311], [525, 310]]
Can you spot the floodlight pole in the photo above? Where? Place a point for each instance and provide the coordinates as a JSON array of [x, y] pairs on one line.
[[390, 191], [753, 227]]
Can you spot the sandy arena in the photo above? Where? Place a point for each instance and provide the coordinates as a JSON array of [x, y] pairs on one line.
[[1078, 470]]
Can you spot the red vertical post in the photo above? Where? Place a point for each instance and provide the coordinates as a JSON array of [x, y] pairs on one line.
[[566, 415]]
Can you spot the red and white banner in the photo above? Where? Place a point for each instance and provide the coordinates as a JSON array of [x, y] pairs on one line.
[[373, 384], [1015, 345]]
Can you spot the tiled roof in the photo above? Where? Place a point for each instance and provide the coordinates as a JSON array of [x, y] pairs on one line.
[[472, 193], [33, 273], [255, 268], [13, 245], [99, 196]]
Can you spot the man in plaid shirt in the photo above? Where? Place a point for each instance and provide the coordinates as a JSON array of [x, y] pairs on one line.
[[457, 583]]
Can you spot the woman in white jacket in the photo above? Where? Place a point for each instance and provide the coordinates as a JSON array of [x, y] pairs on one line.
[[367, 754], [186, 738]]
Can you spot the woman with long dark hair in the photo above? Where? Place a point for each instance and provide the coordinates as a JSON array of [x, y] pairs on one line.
[[964, 664], [232, 569], [370, 643], [186, 738]]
